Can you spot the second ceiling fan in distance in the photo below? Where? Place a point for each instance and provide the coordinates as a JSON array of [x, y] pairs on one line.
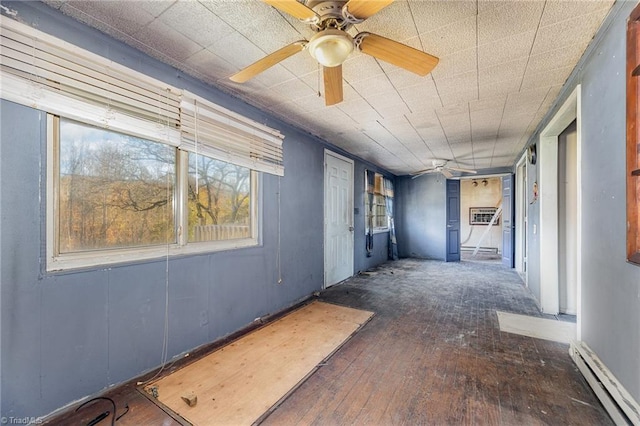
[[332, 44]]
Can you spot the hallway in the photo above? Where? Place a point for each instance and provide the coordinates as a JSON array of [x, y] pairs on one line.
[[433, 354]]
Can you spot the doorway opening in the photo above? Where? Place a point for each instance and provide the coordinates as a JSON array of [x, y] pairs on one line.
[[560, 219], [481, 233]]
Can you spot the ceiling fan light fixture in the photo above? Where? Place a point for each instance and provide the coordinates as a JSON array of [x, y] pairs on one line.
[[330, 47]]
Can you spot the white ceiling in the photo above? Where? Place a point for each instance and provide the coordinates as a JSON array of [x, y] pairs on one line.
[[502, 64]]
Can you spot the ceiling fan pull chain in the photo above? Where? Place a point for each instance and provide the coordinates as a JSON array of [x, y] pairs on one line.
[[319, 91]]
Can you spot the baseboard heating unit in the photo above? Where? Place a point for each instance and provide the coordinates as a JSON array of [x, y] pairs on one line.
[[620, 405]]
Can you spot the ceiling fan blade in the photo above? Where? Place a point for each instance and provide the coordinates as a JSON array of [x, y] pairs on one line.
[[456, 169], [422, 172], [293, 8], [268, 61], [333, 85], [362, 9], [446, 173], [397, 54]]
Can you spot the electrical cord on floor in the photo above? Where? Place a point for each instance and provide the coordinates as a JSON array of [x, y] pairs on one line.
[[104, 414]]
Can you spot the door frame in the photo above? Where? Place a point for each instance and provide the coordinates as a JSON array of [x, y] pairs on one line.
[[548, 184], [522, 240], [508, 222], [448, 255], [349, 208]]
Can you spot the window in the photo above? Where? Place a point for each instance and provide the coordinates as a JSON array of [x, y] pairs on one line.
[[482, 215], [115, 197], [633, 137], [219, 204], [375, 203], [113, 190], [136, 168]]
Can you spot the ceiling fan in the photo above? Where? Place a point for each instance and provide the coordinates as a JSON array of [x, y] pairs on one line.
[[440, 166], [332, 44]]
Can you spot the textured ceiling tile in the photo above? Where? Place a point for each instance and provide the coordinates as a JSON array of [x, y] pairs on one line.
[[578, 30], [505, 50], [420, 97], [388, 105], [155, 7], [373, 85], [112, 14], [519, 104], [364, 116], [311, 103], [276, 76], [463, 96], [207, 62], [558, 58], [397, 12], [237, 50], [561, 10], [546, 78], [460, 62], [355, 105], [240, 14], [279, 33], [436, 15], [360, 67], [443, 153], [505, 98], [402, 79], [453, 38], [196, 22], [498, 23], [512, 70], [294, 89], [458, 89], [484, 122], [302, 64], [487, 103], [500, 88], [165, 39]]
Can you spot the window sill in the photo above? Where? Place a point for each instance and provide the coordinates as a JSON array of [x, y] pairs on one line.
[[108, 258]]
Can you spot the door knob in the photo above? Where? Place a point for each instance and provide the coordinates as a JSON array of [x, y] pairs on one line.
[[351, 228]]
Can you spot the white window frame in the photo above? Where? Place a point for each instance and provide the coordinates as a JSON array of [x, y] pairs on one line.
[[57, 261], [376, 229]]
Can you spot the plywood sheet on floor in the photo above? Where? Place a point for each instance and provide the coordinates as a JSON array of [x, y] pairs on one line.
[[540, 328], [238, 383]]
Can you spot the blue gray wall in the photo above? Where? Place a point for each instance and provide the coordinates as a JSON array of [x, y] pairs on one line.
[[421, 216], [610, 286], [68, 335]]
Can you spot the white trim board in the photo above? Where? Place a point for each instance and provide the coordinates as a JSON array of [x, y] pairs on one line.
[[539, 328], [618, 402]]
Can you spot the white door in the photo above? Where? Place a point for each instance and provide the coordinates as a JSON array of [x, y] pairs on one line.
[[338, 218], [568, 218]]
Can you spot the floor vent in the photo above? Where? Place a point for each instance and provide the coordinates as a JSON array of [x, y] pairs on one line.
[[620, 405]]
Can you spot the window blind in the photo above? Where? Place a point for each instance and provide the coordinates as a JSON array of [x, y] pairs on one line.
[[43, 72], [225, 135]]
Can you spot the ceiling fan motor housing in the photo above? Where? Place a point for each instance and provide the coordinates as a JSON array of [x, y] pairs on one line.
[[329, 12]]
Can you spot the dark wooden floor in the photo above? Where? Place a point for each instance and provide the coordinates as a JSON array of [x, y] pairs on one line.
[[432, 354]]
